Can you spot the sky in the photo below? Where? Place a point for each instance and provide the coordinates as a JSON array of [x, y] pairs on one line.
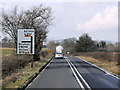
[[72, 19]]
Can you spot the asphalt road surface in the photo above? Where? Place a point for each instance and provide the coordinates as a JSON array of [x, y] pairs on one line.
[[72, 72]]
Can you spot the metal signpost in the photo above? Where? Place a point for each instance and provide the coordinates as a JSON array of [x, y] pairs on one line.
[[26, 42]]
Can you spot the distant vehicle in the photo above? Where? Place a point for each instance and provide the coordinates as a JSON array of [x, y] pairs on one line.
[[68, 52], [59, 52]]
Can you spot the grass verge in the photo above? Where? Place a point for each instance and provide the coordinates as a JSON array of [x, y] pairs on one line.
[[44, 49], [108, 66], [7, 51], [19, 79]]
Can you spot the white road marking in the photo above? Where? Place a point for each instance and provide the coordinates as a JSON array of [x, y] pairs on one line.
[[80, 76], [107, 73], [80, 84], [39, 74]]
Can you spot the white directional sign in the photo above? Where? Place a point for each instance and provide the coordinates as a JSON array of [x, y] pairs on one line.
[[25, 41]]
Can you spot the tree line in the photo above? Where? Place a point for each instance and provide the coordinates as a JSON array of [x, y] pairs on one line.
[[84, 44], [37, 18], [7, 42]]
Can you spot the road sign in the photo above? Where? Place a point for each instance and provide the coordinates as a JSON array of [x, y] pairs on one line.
[[49, 51], [25, 41]]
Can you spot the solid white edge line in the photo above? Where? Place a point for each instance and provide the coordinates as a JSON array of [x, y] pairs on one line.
[[99, 68], [80, 75], [80, 84], [39, 74]]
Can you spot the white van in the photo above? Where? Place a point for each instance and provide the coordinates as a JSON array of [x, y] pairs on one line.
[[59, 52], [58, 55]]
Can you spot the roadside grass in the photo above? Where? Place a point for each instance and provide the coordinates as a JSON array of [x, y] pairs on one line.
[[44, 49], [106, 65], [7, 51], [11, 51], [17, 80]]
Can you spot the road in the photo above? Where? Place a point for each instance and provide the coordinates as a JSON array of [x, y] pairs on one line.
[[72, 72]]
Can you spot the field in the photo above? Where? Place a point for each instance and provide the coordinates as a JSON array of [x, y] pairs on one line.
[[6, 51], [11, 51], [44, 49]]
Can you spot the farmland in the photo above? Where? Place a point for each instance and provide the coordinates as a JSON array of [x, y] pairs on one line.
[[7, 51], [11, 51]]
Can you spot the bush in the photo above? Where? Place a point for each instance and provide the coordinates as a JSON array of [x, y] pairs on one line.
[[102, 56], [43, 53], [106, 56], [9, 65]]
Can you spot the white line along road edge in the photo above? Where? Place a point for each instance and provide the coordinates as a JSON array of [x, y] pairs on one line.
[[70, 63], [108, 73], [39, 74]]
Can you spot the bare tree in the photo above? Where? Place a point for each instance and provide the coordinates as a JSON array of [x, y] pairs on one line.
[[7, 42], [37, 18], [52, 45], [69, 45]]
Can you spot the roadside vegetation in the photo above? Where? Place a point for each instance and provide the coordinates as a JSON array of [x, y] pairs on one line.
[[37, 18], [101, 53], [23, 76], [7, 51], [16, 72], [106, 60], [44, 49]]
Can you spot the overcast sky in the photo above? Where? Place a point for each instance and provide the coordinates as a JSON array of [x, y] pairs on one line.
[[72, 19]]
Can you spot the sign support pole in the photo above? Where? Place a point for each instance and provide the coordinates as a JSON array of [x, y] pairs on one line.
[[19, 61], [32, 62], [25, 45]]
